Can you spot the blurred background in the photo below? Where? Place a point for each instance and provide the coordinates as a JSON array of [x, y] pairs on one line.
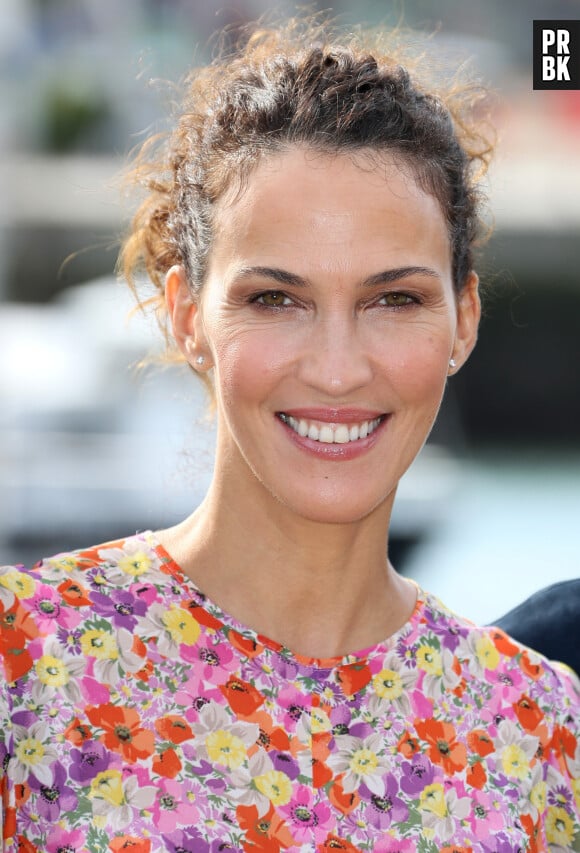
[[91, 448]]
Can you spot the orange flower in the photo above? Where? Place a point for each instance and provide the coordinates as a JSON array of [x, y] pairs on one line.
[[353, 677], [242, 696], [77, 732], [174, 728], [528, 713], [408, 745], [16, 628], [480, 742], [123, 731], [74, 593], [130, 842], [503, 643], [247, 646], [271, 736], [444, 749], [533, 670], [476, 776], [202, 616], [25, 846], [167, 764], [452, 849], [333, 842], [531, 829], [345, 803], [266, 834], [563, 742], [321, 773], [145, 673]]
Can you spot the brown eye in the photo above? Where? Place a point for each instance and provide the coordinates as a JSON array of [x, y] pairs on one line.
[[396, 299], [273, 299]]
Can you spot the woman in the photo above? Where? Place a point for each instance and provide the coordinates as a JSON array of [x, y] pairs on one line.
[[258, 677]]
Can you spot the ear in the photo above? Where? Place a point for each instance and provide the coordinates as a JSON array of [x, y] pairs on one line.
[[183, 310], [468, 316]]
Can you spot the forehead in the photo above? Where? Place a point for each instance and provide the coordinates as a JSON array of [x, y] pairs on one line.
[[307, 207]]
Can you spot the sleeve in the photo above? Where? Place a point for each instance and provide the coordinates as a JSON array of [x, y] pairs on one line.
[[562, 802]]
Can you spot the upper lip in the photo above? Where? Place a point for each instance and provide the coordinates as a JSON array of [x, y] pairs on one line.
[[346, 415]]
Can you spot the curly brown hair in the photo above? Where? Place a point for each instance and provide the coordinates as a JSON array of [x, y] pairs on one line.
[[302, 84]]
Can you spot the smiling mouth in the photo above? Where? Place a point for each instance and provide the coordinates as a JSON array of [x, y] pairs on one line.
[[331, 433]]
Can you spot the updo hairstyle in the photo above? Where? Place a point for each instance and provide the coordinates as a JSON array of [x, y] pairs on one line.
[[301, 85]]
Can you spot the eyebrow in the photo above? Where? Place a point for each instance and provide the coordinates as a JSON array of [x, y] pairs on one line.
[[294, 280]]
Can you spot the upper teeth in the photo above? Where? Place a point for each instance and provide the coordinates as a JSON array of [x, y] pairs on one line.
[[330, 433]]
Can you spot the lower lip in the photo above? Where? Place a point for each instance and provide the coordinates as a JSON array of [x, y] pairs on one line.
[[336, 452]]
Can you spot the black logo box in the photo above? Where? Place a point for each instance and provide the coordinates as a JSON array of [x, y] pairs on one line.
[[549, 46]]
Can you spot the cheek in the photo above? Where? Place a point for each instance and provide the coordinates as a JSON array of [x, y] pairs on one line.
[[418, 369], [248, 364]]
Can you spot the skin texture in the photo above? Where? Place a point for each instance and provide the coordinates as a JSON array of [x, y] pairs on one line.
[[290, 541]]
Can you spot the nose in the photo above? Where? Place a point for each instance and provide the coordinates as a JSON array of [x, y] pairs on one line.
[[335, 361]]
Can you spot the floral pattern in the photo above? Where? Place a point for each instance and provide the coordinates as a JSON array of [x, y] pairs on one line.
[[135, 714]]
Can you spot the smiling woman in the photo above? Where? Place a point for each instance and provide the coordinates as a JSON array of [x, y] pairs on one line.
[[258, 677]]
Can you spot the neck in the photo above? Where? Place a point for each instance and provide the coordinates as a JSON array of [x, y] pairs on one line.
[[322, 590]]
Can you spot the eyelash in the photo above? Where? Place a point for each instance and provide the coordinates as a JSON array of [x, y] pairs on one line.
[[256, 300]]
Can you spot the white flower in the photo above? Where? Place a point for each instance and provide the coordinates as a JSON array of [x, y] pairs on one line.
[[125, 565], [514, 752], [392, 686], [115, 798], [436, 685], [222, 741], [442, 812], [32, 753], [360, 760], [57, 672]]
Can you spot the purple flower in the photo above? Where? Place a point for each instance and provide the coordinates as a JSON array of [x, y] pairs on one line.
[[417, 774], [451, 636], [284, 762], [501, 844], [560, 796], [56, 797], [121, 606], [90, 759], [384, 807], [186, 841], [70, 640]]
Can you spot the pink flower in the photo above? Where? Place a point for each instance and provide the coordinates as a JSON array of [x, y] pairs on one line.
[[60, 839], [485, 817], [172, 808], [304, 818]]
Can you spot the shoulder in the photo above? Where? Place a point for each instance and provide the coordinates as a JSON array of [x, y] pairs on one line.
[[498, 665], [48, 607]]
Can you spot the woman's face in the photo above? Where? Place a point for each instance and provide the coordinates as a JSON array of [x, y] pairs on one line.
[[329, 317]]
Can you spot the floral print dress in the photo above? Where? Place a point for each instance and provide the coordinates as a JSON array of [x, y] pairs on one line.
[[136, 715]]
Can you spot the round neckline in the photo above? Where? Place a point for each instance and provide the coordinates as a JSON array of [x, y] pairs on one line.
[[230, 623]]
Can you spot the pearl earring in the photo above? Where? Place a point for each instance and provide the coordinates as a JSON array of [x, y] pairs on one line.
[[200, 360], [452, 363]]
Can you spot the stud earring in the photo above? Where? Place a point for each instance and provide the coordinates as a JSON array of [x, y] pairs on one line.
[[452, 363], [200, 360]]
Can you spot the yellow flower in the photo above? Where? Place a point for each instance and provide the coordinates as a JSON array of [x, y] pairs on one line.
[[276, 786], [388, 684], [135, 564], [429, 660], [30, 751], [320, 721], [515, 762], [364, 762], [65, 563], [19, 583], [559, 827], [487, 654], [181, 625], [225, 748], [100, 645], [433, 799], [538, 796], [576, 789], [52, 671], [108, 786]]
